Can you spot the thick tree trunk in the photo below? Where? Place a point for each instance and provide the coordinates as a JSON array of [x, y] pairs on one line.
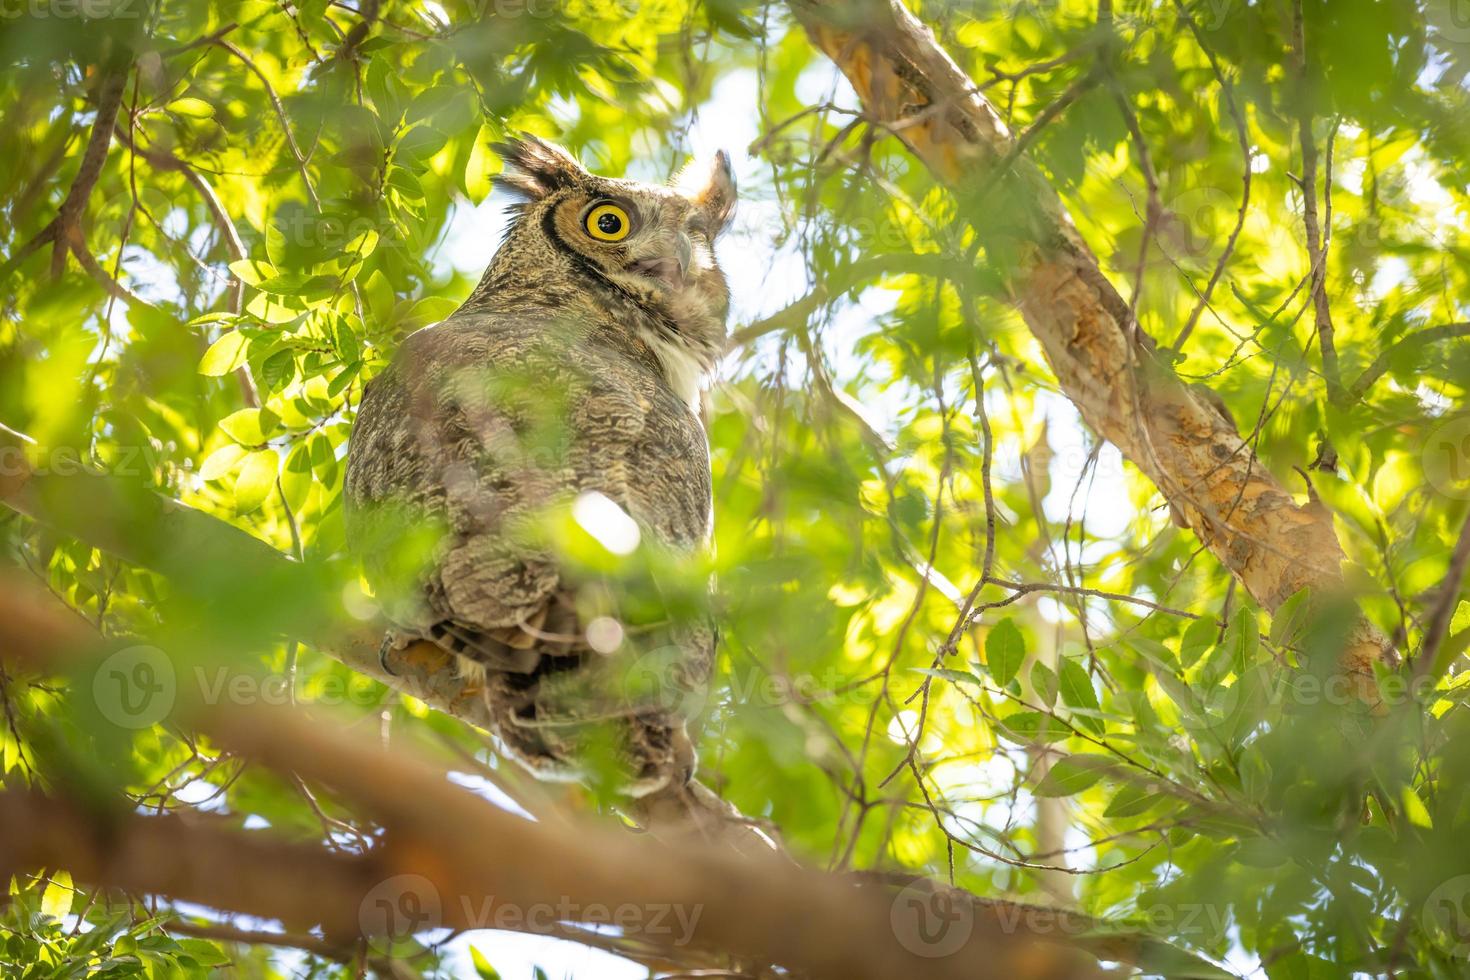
[[1190, 450]]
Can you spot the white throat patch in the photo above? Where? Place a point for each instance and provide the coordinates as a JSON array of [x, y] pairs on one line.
[[682, 369]]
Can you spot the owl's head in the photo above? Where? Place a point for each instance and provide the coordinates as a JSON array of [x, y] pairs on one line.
[[649, 242]]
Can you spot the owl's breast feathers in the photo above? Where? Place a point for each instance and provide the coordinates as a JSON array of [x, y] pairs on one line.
[[481, 423]]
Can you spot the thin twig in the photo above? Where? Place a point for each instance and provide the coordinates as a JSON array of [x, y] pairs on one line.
[[1227, 92], [1381, 364], [280, 110], [1316, 242], [1444, 607], [65, 228]]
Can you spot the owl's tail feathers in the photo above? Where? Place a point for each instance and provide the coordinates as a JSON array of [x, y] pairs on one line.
[[486, 649], [472, 647]]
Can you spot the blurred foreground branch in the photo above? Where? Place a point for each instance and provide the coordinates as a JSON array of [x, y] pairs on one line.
[[132, 522], [447, 858]]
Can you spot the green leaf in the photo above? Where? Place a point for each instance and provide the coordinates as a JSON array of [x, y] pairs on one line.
[[420, 143], [298, 285], [205, 953], [1026, 727], [296, 477], [256, 480], [1076, 686], [323, 458], [380, 296], [1197, 640], [252, 272], [277, 370], [1461, 620], [343, 379], [224, 355], [405, 184], [957, 676], [1044, 683], [1243, 640], [56, 899], [1005, 649], [345, 343], [191, 107], [481, 167], [1414, 809], [221, 461], [1072, 774], [1130, 801], [482, 966], [249, 426], [1291, 618]]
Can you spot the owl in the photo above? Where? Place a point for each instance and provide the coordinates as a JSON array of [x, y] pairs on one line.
[[569, 377]]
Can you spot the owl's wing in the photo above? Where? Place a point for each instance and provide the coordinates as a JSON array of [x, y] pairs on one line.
[[480, 423]]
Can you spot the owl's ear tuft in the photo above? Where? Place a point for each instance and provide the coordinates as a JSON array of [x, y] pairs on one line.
[[712, 189], [535, 168]]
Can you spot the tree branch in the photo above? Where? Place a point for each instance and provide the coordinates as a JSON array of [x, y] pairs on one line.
[[132, 522], [465, 859], [1426, 663], [1104, 364], [796, 313], [228, 232], [65, 229], [1317, 241], [103, 278], [1411, 343]]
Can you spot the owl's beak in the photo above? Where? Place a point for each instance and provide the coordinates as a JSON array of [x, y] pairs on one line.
[[669, 270]]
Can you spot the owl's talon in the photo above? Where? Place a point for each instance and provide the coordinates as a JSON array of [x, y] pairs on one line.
[[388, 645]]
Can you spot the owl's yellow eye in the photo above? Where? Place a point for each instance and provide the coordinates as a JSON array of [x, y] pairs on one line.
[[608, 223]]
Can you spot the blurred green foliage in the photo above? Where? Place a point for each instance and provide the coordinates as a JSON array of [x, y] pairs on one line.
[[1193, 760]]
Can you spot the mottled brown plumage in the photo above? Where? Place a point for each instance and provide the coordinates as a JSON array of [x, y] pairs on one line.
[[572, 369]]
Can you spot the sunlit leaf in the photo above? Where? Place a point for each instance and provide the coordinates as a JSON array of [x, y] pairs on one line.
[[1005, 649]]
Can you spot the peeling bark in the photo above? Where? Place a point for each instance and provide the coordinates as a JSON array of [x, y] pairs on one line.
[[1104, 363]]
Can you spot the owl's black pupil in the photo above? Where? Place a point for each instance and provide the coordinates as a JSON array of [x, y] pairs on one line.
[[609, 223]]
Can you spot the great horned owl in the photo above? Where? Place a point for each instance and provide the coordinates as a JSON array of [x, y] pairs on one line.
[[573, 369]]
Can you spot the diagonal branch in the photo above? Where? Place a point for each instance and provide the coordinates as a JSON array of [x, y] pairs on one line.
[[1318, 237], [460, 857], [1413, 343], [1102, 360], [93, 268], [64, 230], [222, 220], [132, 522], [1428, 661]]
